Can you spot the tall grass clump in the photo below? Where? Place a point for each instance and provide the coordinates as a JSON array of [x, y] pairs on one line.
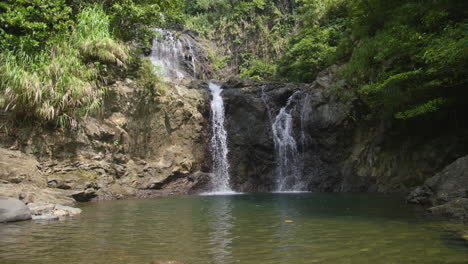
[[62, 81], [94, 39]]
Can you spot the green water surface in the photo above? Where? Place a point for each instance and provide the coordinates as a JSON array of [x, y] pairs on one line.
[[248, 228]]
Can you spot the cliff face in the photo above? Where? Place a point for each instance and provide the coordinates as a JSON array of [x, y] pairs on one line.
[[140, 145], [339, 150]]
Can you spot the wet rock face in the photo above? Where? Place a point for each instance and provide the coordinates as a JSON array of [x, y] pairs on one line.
[[250, 143], [181, 55], [341, 151], [320, 123]]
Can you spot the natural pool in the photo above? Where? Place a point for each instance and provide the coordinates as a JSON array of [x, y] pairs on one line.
[[248, 228]]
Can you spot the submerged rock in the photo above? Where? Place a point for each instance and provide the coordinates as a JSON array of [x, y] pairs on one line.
[[12, 210], [42, 211]]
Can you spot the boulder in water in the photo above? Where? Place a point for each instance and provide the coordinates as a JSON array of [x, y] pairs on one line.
[[43, 211], [455, 209], [12, 210], [447, 191]]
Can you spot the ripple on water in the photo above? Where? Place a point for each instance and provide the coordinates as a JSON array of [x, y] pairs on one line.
[[321, 228]]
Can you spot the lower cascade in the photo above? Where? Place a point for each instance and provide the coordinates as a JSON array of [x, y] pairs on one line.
[[289, 152], [218, 143], [288, 160]]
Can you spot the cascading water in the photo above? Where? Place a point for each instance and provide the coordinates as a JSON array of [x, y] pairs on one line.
[[218, 143], [288, 160], [173, 55], [192, 58]]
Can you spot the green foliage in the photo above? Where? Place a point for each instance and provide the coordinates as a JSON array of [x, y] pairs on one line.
[[133, 19], [429, 107], [411, 63], [309, 54], [60, 82], [148, 79], [94, 40], [323, 23], [257, 70], [56, 56], [406, 58], [259, 27], [27, 24]]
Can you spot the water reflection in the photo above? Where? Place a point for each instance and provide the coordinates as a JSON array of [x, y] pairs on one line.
[[247, 229], [286, 233], [220, 222]]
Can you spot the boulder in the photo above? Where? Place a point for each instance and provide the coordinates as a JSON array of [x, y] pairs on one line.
[[448, 185], [12, 210], [44, 211], [451, 183], [454, 209], [447, 191], [85, 195]]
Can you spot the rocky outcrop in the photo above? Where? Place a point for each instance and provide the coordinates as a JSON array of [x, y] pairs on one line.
[[447, 191], [17, 167], [147, 145], [251, 108], [21, 178], [342, 150], [12, 210], [140, 145]]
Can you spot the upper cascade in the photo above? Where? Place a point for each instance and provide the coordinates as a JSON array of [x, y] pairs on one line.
[[174, 54]]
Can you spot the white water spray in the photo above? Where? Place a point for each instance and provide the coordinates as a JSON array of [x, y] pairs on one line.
[[218, 144], [288, 160], [172, 54]]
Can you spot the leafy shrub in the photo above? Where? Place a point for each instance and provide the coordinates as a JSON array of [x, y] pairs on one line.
[[56, 83], [412, 63], [148, 79], [258, 70], [28, 24]]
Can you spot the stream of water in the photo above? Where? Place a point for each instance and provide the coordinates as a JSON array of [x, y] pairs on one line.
[[248, 229], [173, 55], [218, 143], [289, 160]]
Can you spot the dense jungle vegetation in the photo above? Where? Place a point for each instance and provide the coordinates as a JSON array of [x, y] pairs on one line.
[[58, 56], [403, 58]]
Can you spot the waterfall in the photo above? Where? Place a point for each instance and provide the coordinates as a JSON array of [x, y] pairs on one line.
[[288, 160], [192, 57], [173, 55], [218, 143], [288, 156]]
